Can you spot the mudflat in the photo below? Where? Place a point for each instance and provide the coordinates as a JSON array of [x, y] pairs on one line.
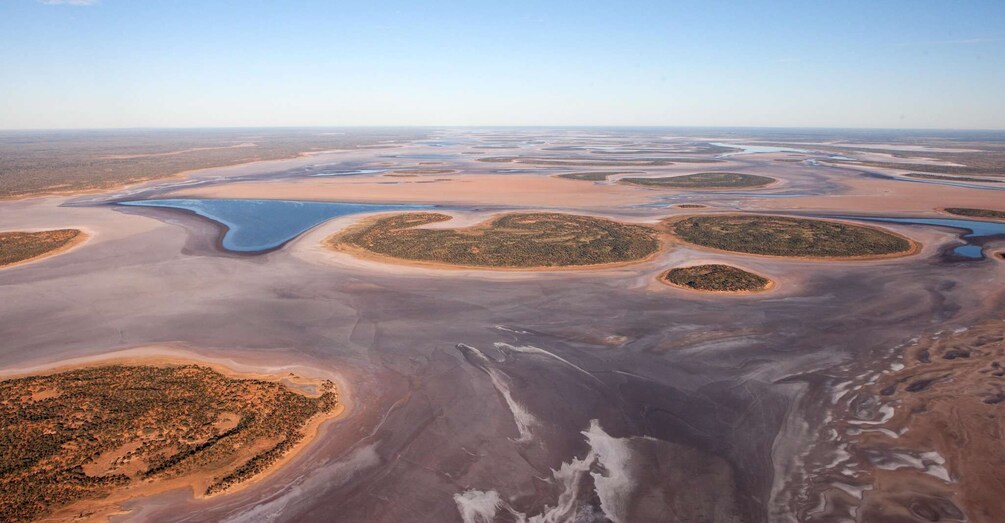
[[708, 404]]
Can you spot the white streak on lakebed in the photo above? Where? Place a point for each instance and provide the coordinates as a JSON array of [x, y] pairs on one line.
[[521, 416], [608, 464]]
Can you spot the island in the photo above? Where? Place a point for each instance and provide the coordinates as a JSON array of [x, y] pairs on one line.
[[976, 213], [21, 247], [788, 236], [716, 278], [73, 438], [710, 180], [515, 240]]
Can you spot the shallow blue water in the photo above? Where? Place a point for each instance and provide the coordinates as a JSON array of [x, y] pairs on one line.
[[977, 229], [755, 149], [261, 225]]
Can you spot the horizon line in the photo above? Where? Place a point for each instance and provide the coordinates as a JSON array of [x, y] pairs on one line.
[[536, 126]]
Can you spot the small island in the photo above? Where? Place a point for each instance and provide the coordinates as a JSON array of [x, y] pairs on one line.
[[515, 241], [75, 437], [950, 178], [789, 236], [20, 247], [594, 176], [709, 180], [716, 278], [976, 213]]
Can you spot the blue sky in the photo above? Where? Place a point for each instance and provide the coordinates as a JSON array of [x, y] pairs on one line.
[[181, 63]]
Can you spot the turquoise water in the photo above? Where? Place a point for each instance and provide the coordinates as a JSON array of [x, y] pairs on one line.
[[977, 230], [263, 225]]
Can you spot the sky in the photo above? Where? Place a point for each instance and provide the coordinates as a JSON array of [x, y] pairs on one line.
[[252, 63]]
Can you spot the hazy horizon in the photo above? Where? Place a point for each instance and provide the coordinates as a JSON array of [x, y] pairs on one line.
[[111, 64]]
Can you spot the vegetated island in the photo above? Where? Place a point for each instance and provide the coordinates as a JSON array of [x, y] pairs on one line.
[[594, 176], [716, 278], [710, 180], [787, 236], [976, 213], [586, 162], [690, 206], [926, 176], [75, 437], [409, 172], [19, 247], [514, 241]]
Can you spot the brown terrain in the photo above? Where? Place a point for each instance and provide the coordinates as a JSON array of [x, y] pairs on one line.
[[22, 247], [938, 450], [77, 439]]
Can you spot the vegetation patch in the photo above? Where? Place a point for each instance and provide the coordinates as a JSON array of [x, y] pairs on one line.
[[976, 213], [690, 206], [587, 161], [517, 240], [594, 176], [16, 247], [34, 162], [710, 180], [414, 172], [786, 236], [716, 278], [82, 434], [925, 176]]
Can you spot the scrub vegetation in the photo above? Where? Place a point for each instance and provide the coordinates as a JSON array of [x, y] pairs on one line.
[[716, 278], [38, 162], [517, 240], [17, 247], [925, 176], [710, 180], [587, 161], [594, 176], [786, 236], [80, 434], [976, 213]]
